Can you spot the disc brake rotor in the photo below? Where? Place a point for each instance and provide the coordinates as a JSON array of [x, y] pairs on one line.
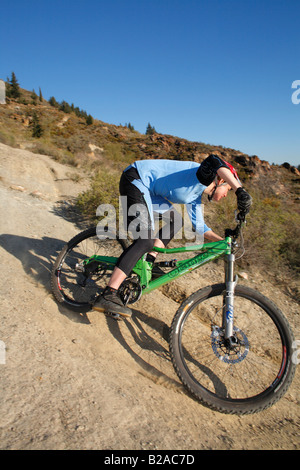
[[231, 353]]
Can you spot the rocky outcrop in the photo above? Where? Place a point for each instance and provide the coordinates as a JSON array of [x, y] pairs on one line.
[[291, 168]]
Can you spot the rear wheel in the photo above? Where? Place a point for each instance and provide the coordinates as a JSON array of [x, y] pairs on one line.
[[72, 282], [242, 376]]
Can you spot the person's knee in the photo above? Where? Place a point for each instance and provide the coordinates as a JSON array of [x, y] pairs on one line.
[[146, 244]]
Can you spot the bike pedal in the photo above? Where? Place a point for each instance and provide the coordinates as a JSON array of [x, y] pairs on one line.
[[114, 316]]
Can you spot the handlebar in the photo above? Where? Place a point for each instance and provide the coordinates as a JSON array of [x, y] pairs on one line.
[[234, 234]]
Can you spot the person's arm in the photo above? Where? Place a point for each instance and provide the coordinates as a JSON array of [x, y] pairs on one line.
[[195, 212], [212, 236], [244, 200], [196, 215], [214, 165], [227, 176]]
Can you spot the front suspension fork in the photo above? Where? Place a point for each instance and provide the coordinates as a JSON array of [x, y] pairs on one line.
[[228, 305]]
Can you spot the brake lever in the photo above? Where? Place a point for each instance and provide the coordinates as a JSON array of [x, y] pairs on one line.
[[234, 233], [239, 217]]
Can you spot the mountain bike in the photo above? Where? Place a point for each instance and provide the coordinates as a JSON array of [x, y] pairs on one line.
[[230, 345]]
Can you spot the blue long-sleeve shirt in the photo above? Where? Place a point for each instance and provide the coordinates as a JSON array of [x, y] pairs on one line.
[[164, 182]]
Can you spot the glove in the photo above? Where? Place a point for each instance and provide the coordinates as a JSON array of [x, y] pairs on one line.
[[232, 233], [244, 201]]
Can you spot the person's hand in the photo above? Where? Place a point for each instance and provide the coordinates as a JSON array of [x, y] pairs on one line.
[[232, 233]]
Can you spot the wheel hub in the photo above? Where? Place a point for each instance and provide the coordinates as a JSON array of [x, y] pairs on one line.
[[231, 350]]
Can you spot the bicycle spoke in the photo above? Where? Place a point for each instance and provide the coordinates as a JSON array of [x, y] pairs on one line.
[[244, 370], [78, 285]]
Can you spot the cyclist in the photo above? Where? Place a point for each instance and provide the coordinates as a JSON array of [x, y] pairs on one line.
[[152, 186]]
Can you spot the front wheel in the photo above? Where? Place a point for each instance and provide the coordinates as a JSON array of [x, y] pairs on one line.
[[243, 376]]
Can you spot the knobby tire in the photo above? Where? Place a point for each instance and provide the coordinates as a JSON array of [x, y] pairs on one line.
[[75, 289], [244, 381]]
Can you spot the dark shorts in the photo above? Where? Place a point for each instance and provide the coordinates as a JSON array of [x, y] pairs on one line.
[[139, 219], [135, 211]]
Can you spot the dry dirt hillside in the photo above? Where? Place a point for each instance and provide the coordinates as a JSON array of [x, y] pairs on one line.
[[72, 381]]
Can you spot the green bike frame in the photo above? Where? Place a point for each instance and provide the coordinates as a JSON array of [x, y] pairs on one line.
[[143, 269]]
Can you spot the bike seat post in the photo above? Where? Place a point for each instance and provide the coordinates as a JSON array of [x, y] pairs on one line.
[[229, 297]]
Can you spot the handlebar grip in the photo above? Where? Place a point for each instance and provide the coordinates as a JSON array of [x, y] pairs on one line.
[[233, 233]]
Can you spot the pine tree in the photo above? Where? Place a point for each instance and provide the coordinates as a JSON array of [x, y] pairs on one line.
[[65, 107], [41, 96], [53, 102], [13, 89], [130, 126], [150, 129], [37, 130], [33, 97], [89, 120]]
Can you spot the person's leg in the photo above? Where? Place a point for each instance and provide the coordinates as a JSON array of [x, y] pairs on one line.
[[173, 223], [116, 279], [110, 300], [157, 243], [133, 253]]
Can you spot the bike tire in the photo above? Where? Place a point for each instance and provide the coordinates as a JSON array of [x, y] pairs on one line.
[[67, 284], [246, 381]]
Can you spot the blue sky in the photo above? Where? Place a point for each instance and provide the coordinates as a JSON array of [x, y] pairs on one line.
[[213, 71]]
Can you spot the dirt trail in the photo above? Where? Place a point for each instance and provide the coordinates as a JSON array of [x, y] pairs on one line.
[[73, 381]]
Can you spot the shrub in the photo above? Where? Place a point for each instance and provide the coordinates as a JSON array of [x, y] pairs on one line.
[[53, 102], [150, 130], [104, 189], [89, 120], [115, 153], [37, 130], [7, 138]]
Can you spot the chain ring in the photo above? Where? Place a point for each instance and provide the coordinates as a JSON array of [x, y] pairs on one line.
[[130, 290]]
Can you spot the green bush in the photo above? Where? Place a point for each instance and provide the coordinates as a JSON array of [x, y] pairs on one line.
[[7, 138], [290, 246], [116, 153], [104, 189]]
